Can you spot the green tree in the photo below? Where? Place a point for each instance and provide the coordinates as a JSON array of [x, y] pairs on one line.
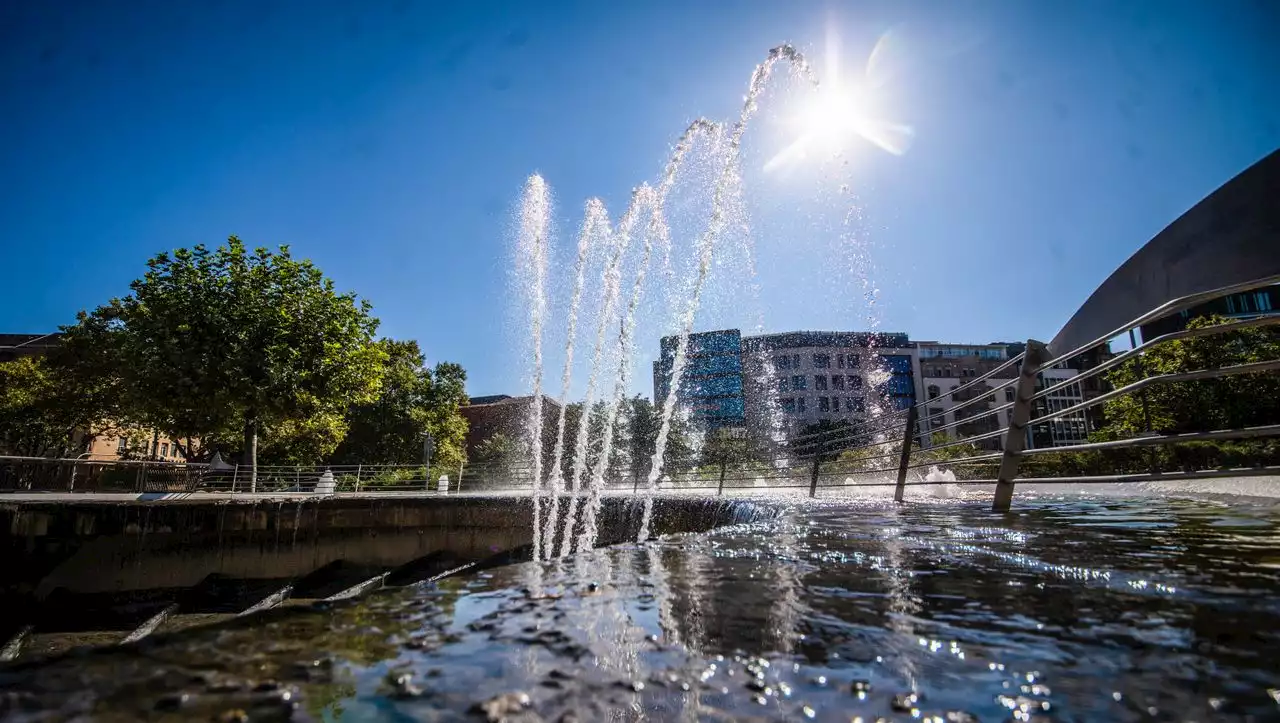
[[413, 400], [304, 440], [1237, 401], [1226, 403], [216, 339], [41, 414]]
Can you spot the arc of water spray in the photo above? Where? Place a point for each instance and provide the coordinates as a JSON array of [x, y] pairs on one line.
[[610, 280], [535, 220], [595, 223], [706, 245], [659, 234]]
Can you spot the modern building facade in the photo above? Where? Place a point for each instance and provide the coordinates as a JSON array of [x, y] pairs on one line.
[[711, 389], [775, 385], [945, 368]]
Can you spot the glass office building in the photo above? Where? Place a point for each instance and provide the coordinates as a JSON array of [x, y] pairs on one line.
[[710, 389]]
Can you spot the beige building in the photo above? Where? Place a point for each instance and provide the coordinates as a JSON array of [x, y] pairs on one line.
[[142, 444]]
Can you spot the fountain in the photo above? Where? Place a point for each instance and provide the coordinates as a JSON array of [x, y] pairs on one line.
[[585, 486]]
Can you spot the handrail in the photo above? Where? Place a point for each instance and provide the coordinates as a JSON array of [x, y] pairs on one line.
[[1162, 339], [1169, 307], [1250, 368], [1156, 440]]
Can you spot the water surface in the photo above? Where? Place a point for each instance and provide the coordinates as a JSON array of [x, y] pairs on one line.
[[1071, 608]]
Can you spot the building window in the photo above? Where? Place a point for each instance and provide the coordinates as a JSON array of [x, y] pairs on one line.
[[820, 382], [821, 361], [1263, 300], [934, 391], [1008, 394], [784, 384], [854, 405], [851, 360], [855, 382], [837, 382], [782, 362], [840, 361], [788, 405], [799, 383], [835, 404], [164, 449], [824, 404], [946, 372], [795, 361], [122, 445], [800, 405]]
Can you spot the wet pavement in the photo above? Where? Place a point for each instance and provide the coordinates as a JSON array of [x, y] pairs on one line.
[[1069, 609]]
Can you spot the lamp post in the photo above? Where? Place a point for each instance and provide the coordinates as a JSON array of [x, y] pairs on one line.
[[428, 447]]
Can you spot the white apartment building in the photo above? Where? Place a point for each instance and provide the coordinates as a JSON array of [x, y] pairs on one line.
[[793, 380]]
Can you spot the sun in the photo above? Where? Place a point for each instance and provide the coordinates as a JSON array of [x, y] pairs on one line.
[[837, 114], [831, 117]]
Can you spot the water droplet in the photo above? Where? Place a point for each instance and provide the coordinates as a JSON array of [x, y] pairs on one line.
[[1116, 695], [904, 702]]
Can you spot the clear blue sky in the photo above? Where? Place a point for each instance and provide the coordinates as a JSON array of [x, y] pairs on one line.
[[388, 142]]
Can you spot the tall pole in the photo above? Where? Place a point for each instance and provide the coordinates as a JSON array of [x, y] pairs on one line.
[[428, 446]]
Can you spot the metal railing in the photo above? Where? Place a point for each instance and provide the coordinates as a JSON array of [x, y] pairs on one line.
[[882, 452]]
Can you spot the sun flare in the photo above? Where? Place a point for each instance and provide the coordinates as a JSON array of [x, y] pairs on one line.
[[837, 114]]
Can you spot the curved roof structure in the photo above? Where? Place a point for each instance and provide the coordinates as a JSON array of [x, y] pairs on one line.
[[1231, 237]]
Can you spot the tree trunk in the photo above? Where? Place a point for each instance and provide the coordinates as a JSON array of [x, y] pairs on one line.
[[155, 444], [251, 449]]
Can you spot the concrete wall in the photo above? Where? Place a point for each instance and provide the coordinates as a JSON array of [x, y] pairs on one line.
[[88, 547]]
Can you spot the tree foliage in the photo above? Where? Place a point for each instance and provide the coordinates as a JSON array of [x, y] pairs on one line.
[[41, 414], [211, 340], [413, 400], [1237, 401]]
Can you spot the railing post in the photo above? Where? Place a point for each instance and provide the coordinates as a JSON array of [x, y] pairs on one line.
[[235, 476], [817, 460], [1015, 438], [358, 467], [908, 436], [720, 489], [1152, 466]]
